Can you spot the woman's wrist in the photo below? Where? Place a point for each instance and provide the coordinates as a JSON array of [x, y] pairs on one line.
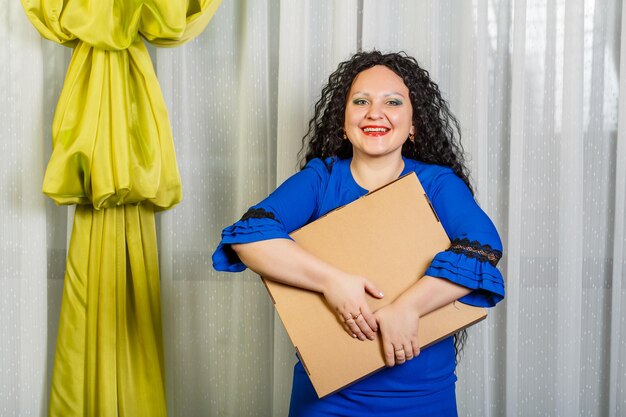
[[429, 294]]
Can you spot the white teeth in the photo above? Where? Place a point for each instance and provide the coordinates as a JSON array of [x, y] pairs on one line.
[[375, 129]]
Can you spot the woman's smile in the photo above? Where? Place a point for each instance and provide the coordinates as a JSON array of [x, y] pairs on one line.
[[375, 130]]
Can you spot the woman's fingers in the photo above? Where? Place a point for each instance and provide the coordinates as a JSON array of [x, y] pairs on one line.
[[415, 347], [370, 320], [399, 353], [373, 290], [367, 323], [353, 328], [348, 295], [360, 326], [390, 354], [398, 329], [348, 330]]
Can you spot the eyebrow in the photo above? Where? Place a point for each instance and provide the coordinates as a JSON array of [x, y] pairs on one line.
[[363, 93]]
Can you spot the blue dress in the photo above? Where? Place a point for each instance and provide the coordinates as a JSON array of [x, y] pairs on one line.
[[424, 386]]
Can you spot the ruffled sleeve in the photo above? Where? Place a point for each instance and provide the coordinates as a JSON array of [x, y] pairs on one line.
[[476, 247], [289, 207], [459, 265]]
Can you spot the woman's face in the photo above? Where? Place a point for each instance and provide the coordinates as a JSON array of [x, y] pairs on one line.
[[378, 117]]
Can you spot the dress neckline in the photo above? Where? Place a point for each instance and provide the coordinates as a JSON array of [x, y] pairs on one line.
[[405, 170]]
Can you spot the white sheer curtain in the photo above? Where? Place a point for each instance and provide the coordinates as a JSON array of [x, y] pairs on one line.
[[539, 89]]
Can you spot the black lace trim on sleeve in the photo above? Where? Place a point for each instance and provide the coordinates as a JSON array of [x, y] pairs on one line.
[[258, 213], [474, 249]]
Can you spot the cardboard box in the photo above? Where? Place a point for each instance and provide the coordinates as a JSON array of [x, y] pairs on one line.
[[389, 236]]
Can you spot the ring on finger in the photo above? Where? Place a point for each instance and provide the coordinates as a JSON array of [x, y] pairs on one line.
[[401, 349]]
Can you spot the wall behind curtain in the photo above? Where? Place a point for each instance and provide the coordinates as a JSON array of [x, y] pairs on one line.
[[221, 92], [536, 86], [33, 231]]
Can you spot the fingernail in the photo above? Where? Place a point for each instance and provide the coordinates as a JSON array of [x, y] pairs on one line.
[[353, 335], [381, 294]]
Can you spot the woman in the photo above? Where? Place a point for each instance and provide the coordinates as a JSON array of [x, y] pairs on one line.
[[379, 117]]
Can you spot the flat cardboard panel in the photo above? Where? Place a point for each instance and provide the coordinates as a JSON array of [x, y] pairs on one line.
[[389, 236]]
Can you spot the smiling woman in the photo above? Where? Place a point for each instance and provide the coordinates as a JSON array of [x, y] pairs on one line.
[[379, 117]]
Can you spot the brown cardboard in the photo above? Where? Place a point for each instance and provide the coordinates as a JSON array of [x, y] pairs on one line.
[[389, 236]]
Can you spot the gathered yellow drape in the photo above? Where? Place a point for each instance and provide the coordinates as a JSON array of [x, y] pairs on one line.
[[113, 156]]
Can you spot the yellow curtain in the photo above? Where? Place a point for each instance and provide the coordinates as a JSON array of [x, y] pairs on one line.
[[113, 156]]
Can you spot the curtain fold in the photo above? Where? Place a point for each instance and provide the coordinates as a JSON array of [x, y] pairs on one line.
[[115, 25], [306, 61], [617, 352], [112, 143], [570, 216], [110, 317], [219, 327]]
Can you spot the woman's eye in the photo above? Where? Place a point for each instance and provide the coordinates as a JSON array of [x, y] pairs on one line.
[[394, 102], [359, 101]]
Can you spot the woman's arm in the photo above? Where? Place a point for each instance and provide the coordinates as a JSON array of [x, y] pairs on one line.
[[261, 241], [284, 261]]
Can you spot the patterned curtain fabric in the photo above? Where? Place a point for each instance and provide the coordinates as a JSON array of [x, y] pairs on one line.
[[113, 156]]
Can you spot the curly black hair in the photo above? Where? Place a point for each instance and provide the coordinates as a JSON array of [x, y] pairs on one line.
[[437, 131]]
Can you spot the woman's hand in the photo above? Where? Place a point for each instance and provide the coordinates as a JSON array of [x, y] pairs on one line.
[[398, 324], [346, 294]]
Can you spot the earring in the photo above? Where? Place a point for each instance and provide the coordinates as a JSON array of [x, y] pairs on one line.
[[345, 137], [412, 137]]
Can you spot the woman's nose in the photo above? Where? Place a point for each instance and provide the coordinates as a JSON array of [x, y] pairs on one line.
[[375, 111]]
